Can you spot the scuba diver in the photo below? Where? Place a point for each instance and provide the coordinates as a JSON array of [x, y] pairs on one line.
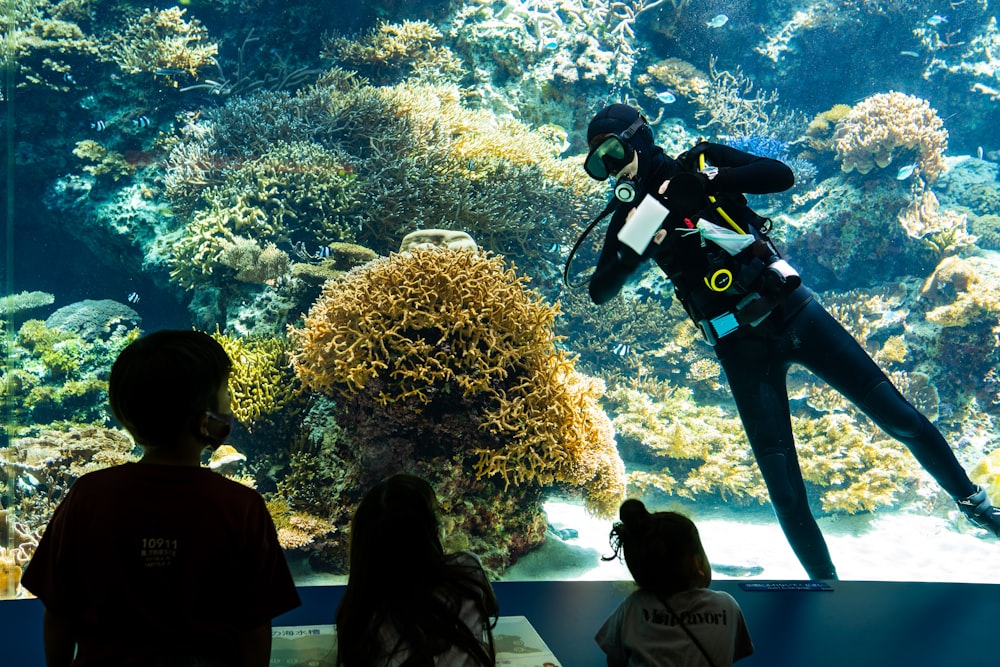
[[690, 216]]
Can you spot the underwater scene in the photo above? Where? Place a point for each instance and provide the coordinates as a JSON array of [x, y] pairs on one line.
[[370, 205]]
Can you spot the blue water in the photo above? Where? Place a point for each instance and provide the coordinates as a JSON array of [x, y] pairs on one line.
[[311, 124]]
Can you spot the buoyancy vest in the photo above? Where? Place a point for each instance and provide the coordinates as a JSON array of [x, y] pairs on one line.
[[712, 283]]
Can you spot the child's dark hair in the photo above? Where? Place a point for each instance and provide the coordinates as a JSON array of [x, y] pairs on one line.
[[164, 381], [400, 575], [662, 550]]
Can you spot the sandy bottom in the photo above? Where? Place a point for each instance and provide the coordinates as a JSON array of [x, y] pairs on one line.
[[750, 545], [884, 547]]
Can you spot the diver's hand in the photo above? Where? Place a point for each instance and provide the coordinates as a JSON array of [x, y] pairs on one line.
[[660, 234], [686, 193]]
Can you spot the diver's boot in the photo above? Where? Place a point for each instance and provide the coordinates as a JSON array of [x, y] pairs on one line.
[[978, 510]]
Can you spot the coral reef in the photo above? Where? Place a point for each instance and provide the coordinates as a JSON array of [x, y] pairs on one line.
[[162, 43], [687, 449], [844, 234], [294, 194], [54, 373], [13, 304], [986, 473], [891, 125], [43, 43], [443, 354], [261, 383], [396, 49], [102, 162], [44, 466], [945, 231], [962, 292]]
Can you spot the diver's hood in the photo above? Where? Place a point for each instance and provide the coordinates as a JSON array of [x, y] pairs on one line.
[[615, 119]]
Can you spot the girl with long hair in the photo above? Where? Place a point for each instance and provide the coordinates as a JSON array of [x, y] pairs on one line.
[[407, 602]]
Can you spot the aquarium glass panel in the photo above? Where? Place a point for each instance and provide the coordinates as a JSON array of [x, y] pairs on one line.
[[371, 205]]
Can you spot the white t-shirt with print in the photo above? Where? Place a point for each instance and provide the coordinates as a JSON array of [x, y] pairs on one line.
[[642, 633]]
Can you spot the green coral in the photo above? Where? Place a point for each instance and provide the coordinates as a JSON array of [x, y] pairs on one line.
[[261, 383], [53, 375]]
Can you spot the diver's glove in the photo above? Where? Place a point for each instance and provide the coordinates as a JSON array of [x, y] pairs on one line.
[[628, 258], [978, 510], [686, 193]]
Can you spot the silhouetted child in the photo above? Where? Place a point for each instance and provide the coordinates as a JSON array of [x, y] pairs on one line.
[[407, 602], [163, 563], [673, 619]]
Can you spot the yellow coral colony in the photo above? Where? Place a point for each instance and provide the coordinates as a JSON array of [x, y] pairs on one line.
[[882, 126], [435, 320], [261, 382]]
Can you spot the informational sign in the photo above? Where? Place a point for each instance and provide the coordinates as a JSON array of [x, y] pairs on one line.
[[517, 645], [769, 586]]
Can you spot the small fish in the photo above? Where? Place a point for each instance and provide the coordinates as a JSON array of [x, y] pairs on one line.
[[718, 21], [133, 297], [551, 44], [909, 54], [937, 20], [99, 125], [622, 349], [666, 97], [141, 121], [554, 248], [166, 71], [68, 78], [979, 153], [905, 172], [323, 252]]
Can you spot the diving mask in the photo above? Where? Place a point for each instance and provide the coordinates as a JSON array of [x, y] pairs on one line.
[[612, 153]]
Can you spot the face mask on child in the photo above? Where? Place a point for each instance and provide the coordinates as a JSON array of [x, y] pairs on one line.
[[216, 428]]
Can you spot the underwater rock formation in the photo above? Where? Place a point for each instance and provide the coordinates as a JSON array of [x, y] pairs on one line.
[[440, 362]]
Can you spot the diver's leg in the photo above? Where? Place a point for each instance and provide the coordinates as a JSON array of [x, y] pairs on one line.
[[829, 351], [762, 400]]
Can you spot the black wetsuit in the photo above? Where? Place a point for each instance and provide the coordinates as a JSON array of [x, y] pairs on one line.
[[756, 358]]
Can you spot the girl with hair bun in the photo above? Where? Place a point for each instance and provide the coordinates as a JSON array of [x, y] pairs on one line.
[[673, 619]]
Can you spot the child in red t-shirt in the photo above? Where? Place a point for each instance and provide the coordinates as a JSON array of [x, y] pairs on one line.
[[163, 562]]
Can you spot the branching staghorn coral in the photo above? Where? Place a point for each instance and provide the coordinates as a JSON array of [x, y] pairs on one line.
[[261, 382], [730, 106], [888, 125], [44, 41], [391, 49], [162, 41], [437, 327]]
